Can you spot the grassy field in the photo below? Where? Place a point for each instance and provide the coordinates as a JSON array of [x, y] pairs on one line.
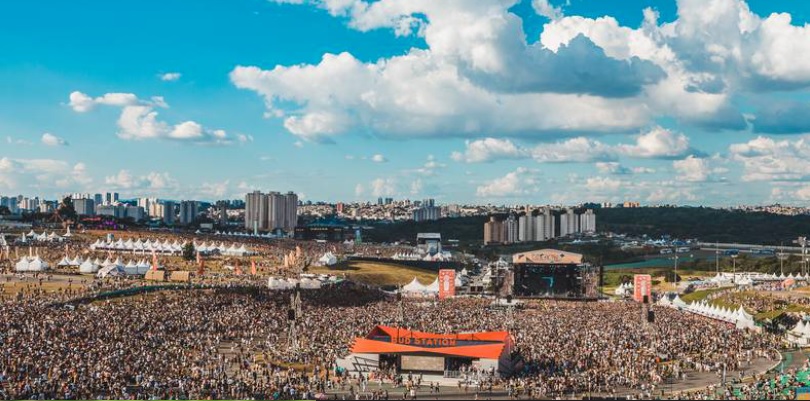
[[375, 273], [12, 288], [700, 295]]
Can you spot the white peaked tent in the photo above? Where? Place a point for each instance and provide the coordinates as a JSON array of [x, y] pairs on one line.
[[37, 265], [328, 259], [623, 289], [89, 267], [744, 320], [22, 264], [739, 318], [64, 262], [67, 233], [414, 287], [433, 287], [110, 270]]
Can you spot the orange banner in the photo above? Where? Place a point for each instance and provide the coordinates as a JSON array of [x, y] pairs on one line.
[[642, 285], [447, 283]]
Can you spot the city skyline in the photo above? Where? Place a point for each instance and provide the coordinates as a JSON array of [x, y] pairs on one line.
[[504, 102]]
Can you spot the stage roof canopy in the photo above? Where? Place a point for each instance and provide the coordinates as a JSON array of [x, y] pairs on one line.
[[547, 256]]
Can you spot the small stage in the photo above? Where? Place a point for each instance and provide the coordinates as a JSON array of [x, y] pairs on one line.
[[434, 356]]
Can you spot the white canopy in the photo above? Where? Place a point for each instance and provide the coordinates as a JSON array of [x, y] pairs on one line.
[[414, 286]]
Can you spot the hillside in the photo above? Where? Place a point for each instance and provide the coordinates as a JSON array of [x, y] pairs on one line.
[[706, 224]]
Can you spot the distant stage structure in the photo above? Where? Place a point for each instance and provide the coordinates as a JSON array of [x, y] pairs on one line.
[[551, 273]]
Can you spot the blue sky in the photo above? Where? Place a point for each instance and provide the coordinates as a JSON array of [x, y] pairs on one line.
[[502, 101]]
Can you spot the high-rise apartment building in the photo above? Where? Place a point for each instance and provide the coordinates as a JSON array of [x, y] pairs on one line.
[[84, 207], [136, 213], [271, 211], [222, 213], [587, 221], [168, 212], [511, 230], [493, 230], [188, 212], [110, 197]]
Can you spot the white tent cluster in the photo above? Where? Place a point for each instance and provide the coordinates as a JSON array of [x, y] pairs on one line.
[[31, 264], [751, 278], [44, 237], [415, 288], [419, 255], [244, 235], [328, 259], [167, 247], [68, 262], [624, 289], [739, 318], [116, 268], [800, 334], [306, 281]]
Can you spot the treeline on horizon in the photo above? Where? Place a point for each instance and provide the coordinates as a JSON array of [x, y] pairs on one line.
[[702, 223]]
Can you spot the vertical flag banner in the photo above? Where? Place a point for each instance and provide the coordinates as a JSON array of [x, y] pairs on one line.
[[447, 283], [642, 285]]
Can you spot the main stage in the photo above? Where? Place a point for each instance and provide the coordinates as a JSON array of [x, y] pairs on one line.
[[551, 273]]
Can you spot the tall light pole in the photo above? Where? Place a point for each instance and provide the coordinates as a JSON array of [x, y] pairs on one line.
[[802, 241], [782, 256], [675, 273], [717, 257], [734, 268]]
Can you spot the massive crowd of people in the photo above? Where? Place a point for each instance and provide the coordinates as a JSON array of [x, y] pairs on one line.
[[230, 341]]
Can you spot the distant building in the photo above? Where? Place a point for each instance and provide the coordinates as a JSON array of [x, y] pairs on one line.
[[136, 213], [168, 212], [272, 211], [98, 199], [84, 207], [110, 197], [587, 221], [222, 213], [511, 230], [188, 212], [569, 223], [117, 211], [493, 231], [427, 213], [256, 211]]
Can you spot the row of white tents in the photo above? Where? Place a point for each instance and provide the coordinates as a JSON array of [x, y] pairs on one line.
[[307, 282], [172, 248], [31, 264], [739, 318], [417, 288], [44, 237], [800, 334], [624, 290], [443, 256], [750, 278], [244, 235]]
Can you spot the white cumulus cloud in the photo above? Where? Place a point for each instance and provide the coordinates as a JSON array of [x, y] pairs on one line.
[[49, 139]]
